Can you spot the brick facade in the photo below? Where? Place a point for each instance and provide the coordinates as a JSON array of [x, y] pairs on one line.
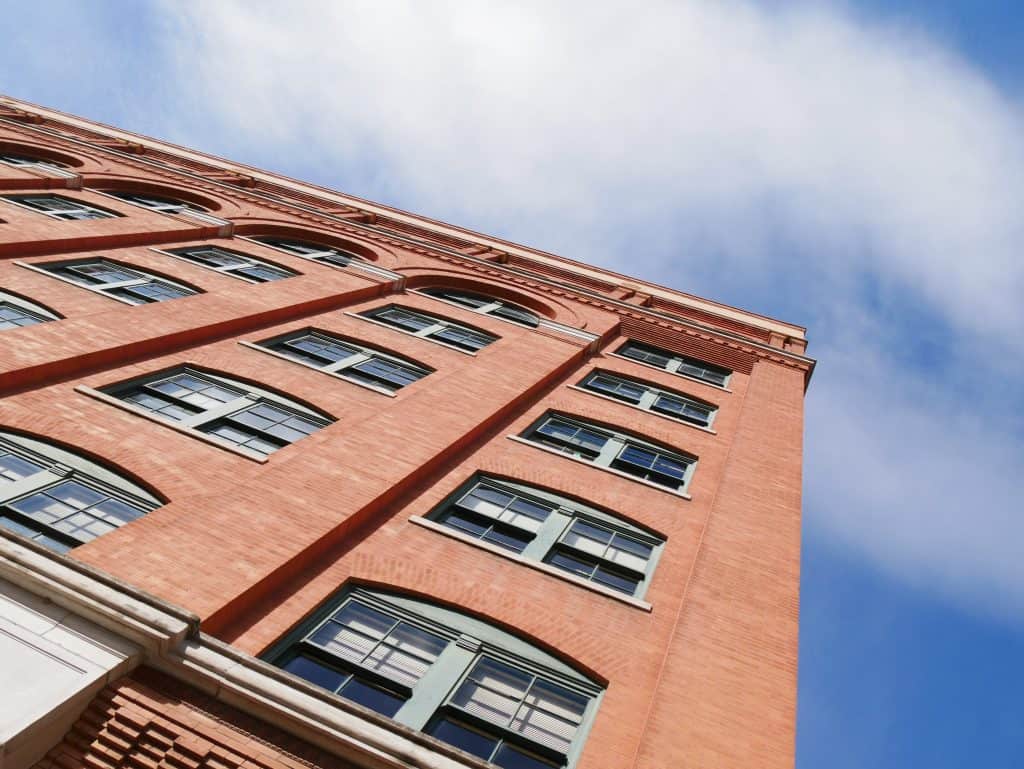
[[702, 676]]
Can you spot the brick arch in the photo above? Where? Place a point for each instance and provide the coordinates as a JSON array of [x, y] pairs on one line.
[[371, 252], [103, 182], [545, 307]]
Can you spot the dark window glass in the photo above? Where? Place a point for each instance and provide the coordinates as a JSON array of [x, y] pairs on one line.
[[12, 316]]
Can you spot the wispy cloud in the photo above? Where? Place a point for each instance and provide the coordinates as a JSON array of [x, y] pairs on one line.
[[796, 160]]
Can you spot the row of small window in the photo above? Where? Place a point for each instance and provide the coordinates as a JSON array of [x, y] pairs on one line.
[[456, 678]]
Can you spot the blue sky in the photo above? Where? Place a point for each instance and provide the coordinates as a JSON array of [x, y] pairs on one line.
[[856, 167]]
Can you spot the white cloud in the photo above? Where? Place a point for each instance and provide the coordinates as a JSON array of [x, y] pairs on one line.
[[795, 154]]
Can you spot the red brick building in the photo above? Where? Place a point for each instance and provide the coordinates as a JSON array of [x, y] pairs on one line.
[[292, 478]]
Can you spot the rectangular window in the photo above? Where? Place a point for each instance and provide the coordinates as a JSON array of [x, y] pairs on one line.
[[620, 452], [675, 363], [258, 423], [650, 398], [60, 208], [349, 360], [125, 284], [233, 263], [427, 326]]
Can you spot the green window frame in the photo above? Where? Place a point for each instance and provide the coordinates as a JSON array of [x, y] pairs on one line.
[[60, 499], [349, 360], [426, 326], [647, 397], [235, 414], [485, 305], [613, 450], [541, 526], [59, 207], [675, 363], [128, 285], [456, 677], [233, 263]]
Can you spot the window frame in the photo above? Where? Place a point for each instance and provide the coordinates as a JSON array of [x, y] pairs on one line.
[[323, 256], [233, 271], [61, 215], [105, 289], [362, 354], [676, 362], [491, 308], [548, 538], [52, 167], [649, 398], [468, 640], [608, 456], [161, 204], [248, 398], [58, 466], [27, 308], [438, 324]]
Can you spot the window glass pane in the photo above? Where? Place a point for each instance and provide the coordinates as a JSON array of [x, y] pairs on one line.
[[463, 337], [492, 691], [385, 372], [405, 319], [516, 315], [316, 673], [587, 538], [263, 273], [670, 467], [509, 757], [629, 553], [508, 538], [77, 510], [214, 256], [577, 566], [103, 272], [153, 291], [377, 699], [343, 641], [326, 351], [616, 581], [639, 352], [465, 523], [470, 740], [550, 715], [14, 468], [18, 527], [15, 317], [486, 501]]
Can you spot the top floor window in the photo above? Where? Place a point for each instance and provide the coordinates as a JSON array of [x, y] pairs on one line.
[[317, 253], [430, 327], [111, 279], [153, 202], [485, 305], [675, 363], [62, 500], [257, 422], [21, 161], [59, 207], [232, 263], [614, 450], [650, 398], [457, 678]]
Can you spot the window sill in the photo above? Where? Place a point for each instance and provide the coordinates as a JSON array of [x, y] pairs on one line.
[[311, 367], [698, 380], [673, 420], [205, 437], [603, 469], [535, 565], [409, 333]]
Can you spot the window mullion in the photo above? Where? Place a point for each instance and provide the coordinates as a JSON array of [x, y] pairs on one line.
[[433, 688], [431, 330], [487, 309], [648, 399], [27, 485], [351, 360], [548, 534], [609, 451], [218, 412]]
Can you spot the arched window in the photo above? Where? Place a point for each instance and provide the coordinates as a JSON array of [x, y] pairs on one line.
[[345, 359], [430, 327], [61, 499], [462, 680], [485, 305], [24, 161], [675, 363], [60, 207], [591, 544], [154, 202], [16, 312], [233, 263], [232, 413], [613, 450], [318, 253], [125, 284]]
